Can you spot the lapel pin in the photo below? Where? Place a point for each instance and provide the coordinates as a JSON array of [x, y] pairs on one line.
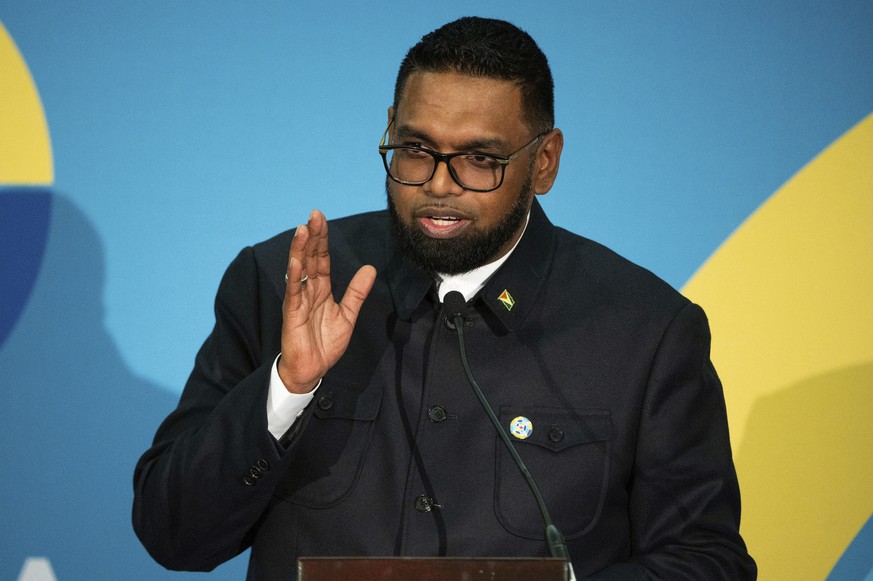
[[506, 299], [521, 427]]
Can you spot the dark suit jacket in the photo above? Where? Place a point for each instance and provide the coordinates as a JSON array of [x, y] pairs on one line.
[[396, 457]]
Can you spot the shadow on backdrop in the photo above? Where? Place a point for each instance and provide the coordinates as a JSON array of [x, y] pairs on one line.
[[74, 417], [804, 476]]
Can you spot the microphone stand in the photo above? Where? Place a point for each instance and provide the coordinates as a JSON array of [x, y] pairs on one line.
[[456, 306]]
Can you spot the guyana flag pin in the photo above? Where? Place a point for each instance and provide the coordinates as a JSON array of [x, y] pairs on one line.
[[506, 299]]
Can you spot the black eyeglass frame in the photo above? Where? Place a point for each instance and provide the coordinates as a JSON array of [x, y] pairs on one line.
[[502, 160]]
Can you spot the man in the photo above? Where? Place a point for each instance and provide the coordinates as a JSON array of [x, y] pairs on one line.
[[316, 427]]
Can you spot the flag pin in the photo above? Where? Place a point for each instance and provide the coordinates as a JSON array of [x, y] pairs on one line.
[[506, 299], [521, 427]]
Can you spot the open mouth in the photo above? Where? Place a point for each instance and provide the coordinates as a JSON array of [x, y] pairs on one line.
[[441, 226]]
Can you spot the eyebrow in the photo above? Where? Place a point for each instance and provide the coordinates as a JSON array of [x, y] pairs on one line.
[[406, 132]]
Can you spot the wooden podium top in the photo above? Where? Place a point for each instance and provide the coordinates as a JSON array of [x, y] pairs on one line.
[[430, 569]]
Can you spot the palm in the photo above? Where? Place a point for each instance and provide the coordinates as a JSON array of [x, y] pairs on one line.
[[316, 329]]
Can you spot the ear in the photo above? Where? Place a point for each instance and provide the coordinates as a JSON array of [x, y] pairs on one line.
[[390, 114], [547, 162]]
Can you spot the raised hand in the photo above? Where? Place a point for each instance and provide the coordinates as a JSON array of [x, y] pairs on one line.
[[316, 329]]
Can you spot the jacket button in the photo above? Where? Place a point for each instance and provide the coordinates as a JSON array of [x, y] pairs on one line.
[[423, 503], [556, 435], [325, 403], [255, 472], [263, 464], [248, 480], [437, 414]]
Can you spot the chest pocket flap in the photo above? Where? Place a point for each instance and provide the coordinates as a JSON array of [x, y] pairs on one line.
[[568, 452], [332, 449], [559, 429]]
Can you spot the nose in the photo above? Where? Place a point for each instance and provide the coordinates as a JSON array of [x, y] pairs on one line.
[[442, 184]]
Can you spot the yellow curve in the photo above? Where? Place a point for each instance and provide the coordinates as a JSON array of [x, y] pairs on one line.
[[790, 301], [25, 146]]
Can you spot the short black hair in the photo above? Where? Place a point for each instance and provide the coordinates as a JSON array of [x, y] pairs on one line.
[[486, 47]]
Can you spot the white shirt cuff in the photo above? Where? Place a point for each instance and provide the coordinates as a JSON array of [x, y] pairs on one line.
[[284, 407]]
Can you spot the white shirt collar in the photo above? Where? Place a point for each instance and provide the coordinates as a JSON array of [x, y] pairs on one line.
[[469, 283]]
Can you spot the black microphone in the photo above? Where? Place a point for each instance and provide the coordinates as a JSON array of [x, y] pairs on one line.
[[455, 308]]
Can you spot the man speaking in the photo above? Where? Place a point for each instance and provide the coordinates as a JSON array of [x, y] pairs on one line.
[[329, 413]]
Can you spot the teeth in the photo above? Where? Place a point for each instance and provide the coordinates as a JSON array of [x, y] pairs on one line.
[[442, 221]]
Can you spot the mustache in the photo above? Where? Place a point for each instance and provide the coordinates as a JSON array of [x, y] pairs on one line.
[[431, 209]]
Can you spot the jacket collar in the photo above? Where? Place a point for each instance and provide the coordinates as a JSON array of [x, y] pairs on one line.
[[511, 292], [408, 283]]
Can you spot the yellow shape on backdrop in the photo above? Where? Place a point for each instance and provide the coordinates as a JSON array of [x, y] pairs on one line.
[[25, 147], [790, 301]]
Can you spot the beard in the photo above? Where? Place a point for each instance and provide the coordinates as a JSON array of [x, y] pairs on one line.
[[463, 253]]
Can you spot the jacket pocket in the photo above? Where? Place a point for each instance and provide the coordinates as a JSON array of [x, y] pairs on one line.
[[567, 453], [331, 451]]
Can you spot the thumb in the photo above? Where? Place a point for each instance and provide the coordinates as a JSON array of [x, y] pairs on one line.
[[358, 290]]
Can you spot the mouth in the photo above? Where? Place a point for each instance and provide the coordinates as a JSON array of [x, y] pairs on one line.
[[442, 222]]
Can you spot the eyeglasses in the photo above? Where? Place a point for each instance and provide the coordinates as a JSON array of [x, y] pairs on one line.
[[478, 172]]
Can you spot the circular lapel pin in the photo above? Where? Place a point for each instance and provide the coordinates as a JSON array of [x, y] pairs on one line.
[[521, 427]]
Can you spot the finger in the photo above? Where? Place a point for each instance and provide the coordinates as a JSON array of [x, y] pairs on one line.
[[322, 251], [294, 286], [294, 270], [358, 290], [317, 230], [298, 244]]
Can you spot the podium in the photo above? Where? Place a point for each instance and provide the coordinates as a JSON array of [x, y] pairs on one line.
[[430, 569]]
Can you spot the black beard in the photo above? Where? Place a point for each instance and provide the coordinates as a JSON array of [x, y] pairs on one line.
[[464, 253]]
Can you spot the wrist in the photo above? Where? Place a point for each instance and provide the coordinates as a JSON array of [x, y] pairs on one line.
[[290, 384]]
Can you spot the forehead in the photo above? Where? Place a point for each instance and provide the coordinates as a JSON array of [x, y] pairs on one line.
[[458, 107]]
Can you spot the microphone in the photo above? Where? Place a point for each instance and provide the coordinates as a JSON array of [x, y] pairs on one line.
[[455, 308]]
